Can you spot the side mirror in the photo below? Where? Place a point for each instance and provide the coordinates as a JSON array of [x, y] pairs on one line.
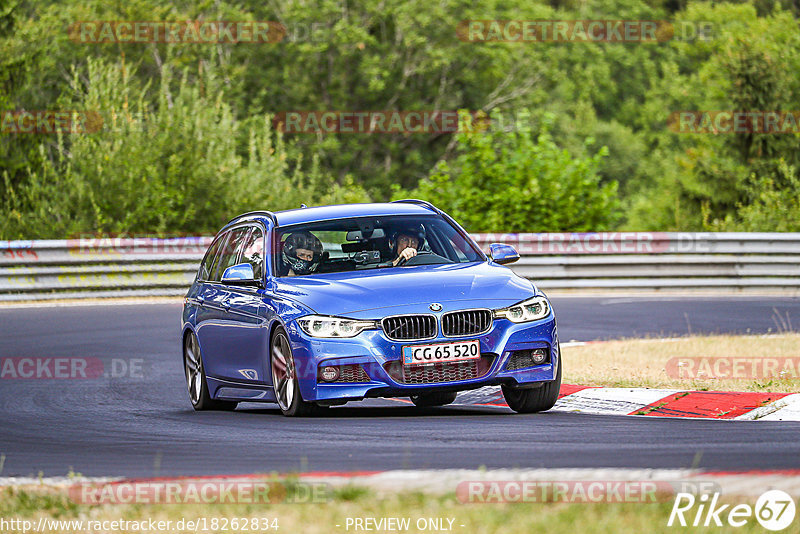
[[240, 275], [502, 253]]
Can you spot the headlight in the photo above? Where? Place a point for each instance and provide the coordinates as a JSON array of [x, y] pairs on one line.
[[528, 310], [324, 326]]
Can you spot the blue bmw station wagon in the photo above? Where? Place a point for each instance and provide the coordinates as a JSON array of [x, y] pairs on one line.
[[314, 307]]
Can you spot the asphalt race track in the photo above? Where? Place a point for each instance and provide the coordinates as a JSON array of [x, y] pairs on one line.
[[146, 427]]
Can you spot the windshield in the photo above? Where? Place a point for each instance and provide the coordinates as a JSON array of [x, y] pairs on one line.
[[391, 242]]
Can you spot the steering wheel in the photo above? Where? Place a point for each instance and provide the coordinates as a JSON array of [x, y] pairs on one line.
[[411, 261]]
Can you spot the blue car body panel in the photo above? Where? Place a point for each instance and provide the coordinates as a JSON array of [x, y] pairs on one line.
[[234, 324], [355, 293]]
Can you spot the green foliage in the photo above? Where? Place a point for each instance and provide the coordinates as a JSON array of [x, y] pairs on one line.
[[182, 164], [774, 203], [187, 141], [520, 181], [388, 55], [694, 181]]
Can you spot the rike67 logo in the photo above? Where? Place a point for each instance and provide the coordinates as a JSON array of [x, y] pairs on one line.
[[774, 510]]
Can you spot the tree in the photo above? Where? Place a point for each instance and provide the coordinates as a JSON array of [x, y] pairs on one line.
[[520, 181], [181, 164], [773, 203]]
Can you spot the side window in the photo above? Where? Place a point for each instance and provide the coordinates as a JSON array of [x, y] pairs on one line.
[[230, 251], [253, 252], [205, 268], [215, 264]]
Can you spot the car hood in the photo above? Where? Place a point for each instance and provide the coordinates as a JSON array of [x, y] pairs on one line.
[[408, 288]]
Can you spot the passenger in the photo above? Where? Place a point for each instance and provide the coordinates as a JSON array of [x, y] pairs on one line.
[[302, 252]]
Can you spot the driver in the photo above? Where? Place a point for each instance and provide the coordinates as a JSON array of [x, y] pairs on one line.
[[302, 252], [405, 243]]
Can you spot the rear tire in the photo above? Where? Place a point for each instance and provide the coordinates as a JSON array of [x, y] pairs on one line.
[[534, 400], [434, 399], [196, 378]]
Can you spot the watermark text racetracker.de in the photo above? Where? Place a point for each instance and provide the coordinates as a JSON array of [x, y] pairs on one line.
[[138, 245], [55, 121], [71, 122], [150, 525], [376, 122], [185, 32], [603, 242], [577, 491], [200, 491], [405, 122], [733, 367], [70, 368], [205, 32], [735, 122], [582, 31]]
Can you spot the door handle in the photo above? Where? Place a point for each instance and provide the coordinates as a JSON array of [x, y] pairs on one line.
[[201, 300], [226, 305]]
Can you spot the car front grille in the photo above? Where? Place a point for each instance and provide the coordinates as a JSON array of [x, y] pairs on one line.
[[454, 324], [352, 373], [409, 327], [439, 372], [466, 322], [445, 372]]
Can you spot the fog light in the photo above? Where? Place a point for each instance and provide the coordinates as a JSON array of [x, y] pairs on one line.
[[538, 356], [329, 374]]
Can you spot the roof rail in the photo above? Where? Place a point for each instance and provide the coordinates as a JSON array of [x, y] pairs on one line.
[[419, 202], [268, 214]]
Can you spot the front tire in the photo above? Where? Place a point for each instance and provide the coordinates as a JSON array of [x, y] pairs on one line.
[[534, 400], [196, 378], [284, 378], [434, 399]]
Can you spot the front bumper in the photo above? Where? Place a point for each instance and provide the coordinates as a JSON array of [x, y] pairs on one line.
[[379, 355]]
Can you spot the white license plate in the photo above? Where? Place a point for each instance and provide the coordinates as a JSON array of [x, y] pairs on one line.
[[441, 352]]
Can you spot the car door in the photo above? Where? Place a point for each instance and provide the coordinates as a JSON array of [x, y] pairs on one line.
[[196, 297], [214, 327], [245, 327], [205, 314]]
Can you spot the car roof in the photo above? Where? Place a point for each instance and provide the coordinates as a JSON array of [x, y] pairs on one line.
[[341, 211]]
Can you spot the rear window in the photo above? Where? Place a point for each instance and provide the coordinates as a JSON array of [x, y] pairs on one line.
[[208, 260], [229, 252]]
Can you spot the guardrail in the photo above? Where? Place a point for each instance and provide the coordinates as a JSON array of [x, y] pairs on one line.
[[94, 268], [91, 268], [657, 260]]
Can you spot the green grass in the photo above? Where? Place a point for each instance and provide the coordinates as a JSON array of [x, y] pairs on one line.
[[643, 363], [353, 501]]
